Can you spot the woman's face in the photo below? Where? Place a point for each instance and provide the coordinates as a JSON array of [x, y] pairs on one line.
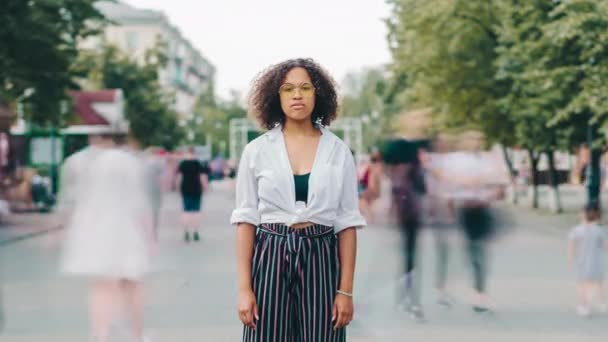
[[297, 95]]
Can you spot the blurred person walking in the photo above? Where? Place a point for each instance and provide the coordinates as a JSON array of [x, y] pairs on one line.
[[231, 176], [155, 170], [370, 186], [440, 212], [193, 180], [476, 180], [587, 244], [408, 186], [296, 212], [108, 238], [74, 172]]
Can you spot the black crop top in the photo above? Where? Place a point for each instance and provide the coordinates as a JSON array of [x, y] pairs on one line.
[[301, 183]]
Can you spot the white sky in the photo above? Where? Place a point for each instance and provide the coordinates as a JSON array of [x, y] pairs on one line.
[[242, 37]]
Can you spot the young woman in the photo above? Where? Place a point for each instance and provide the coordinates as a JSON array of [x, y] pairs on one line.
[[296, 212], [193, 179]]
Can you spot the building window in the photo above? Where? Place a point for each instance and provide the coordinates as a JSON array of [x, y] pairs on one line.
[[178, 71], [132, 41]]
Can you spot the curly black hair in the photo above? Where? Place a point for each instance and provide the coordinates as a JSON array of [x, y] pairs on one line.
[[265, 103]]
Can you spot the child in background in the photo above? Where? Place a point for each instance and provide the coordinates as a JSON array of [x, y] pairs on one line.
[[586, 247]]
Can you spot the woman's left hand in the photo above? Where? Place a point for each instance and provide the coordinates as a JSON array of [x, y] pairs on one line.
[[342, 312]]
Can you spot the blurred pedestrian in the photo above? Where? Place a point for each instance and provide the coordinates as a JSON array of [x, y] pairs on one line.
[[231, 176], [586, 250], [109, 239], [193, 180], [370, 186], [440, 212], [408, 187], [476, 182], [74, 172], [155, 172], [296, 212]]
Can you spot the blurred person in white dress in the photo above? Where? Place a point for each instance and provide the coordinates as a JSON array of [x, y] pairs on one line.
[[155, 173], [109, 236], [475, 180]]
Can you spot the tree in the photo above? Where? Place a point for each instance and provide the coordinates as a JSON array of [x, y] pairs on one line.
[[215, 116], [148, 107], [446, 52], [444, 57], [363, 98], [526, 73], [39, 46], [576, 58], [550, 55]]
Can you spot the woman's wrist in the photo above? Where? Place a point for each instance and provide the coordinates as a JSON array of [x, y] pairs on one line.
[[346, 283], [345, 293]]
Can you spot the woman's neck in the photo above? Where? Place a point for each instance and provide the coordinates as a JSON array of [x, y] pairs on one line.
[[300, 128]]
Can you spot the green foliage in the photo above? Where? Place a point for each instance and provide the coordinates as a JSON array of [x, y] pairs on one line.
[[39, 45], [528, 73], [364, 94], [148, 107], [445, 51], [553, 55], [214, 117], [577, 57]]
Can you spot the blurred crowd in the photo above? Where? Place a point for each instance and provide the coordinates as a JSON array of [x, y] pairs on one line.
[[111, 195], [444, 185]]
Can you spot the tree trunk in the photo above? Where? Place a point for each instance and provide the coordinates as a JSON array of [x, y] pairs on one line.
[[512, 173], [534, 157], [555, 203], [593, 178]]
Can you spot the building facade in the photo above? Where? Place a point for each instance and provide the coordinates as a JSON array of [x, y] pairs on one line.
[[136, 31]]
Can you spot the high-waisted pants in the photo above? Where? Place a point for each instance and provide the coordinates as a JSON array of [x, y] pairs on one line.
[[295, 274]]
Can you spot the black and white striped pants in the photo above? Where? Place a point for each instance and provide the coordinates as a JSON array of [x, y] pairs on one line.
[[296, 273]]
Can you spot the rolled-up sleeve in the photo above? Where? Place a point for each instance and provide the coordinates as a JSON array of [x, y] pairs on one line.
[[348, 210], [246, 210]]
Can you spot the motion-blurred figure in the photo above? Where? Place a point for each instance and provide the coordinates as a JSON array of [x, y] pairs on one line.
[[109, 236], [370, 186], [408, 186], [231, 175], [439, 212], [586, 250], [155, 173], [476, 180], [42, 194]]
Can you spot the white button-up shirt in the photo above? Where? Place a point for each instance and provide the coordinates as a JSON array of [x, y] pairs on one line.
[[265, 190]]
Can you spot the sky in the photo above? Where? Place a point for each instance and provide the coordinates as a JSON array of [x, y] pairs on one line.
[[243, 37]]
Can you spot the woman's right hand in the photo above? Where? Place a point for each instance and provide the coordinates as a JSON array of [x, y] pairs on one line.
[[248, 308]]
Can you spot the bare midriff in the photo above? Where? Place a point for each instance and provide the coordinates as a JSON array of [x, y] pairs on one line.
[[302, 225]]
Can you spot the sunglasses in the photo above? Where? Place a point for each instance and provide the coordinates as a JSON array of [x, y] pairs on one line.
[[289, 90]]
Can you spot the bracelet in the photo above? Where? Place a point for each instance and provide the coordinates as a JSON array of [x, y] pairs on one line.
[[347, 294]]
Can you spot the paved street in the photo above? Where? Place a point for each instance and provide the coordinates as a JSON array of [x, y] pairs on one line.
[[191, 294]]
